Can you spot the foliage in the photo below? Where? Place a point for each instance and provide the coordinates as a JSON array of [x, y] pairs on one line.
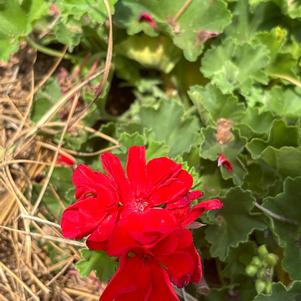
[[216, 77]]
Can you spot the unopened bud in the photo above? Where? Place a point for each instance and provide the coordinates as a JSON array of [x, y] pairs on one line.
[[271, 259], [251, 270], [262, 251], [260, 286]]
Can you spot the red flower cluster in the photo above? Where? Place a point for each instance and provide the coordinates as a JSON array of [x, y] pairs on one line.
[[142, 217]]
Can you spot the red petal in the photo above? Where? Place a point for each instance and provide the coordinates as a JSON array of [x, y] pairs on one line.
[[132, 281], [139, 230], [64, 160], [113, 167], [161, 286], [98, 240], [186, 200], [200, 208], [160, 170], [223, 161], [174, 189], [136, 170], [81, 218], [87, 181], [182, 263]]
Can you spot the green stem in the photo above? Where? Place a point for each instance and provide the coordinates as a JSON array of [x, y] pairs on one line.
[[49, 51]]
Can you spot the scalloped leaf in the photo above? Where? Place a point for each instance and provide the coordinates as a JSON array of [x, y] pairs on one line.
[[213, 105], [236, 65], [279, 136], [169, 124], [97, 261], [287, 205], [235, 222], [200, 21], [158, 53], [16, 21]]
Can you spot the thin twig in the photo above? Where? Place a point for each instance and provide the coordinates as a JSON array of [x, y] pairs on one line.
[[15, 277], [47, 237], [184, 294], [40, 220], [107, 67], [181, 10], [287, 78], [51, 169]]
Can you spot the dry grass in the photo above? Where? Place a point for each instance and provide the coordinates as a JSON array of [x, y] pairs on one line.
[[26, 270]]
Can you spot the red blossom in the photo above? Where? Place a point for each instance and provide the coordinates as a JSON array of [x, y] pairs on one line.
[[145, 212], [223, 161], [148, 274], [146, 17]]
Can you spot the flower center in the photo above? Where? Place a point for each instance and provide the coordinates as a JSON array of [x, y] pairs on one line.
[[139, 205]]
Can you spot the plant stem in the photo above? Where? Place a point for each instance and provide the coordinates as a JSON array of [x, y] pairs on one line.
[[184, 294], [287, 78], [49, 51], [181, 10], [275, 215]]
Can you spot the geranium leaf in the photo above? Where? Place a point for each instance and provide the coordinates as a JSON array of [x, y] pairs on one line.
[[97, 261], [170, 125], [213, 105], [283, 101], [236, 65], [287, 204], [158, 53], [199, 22], [235, 222], [16, 21]]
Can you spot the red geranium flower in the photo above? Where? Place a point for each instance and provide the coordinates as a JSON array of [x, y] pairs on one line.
[[147, 274], [104, 199]]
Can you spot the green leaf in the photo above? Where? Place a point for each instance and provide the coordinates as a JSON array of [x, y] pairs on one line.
[[16, 21], [286, 160], [233, 65], [158, 53], [287, 205], [170, 125], [68, 34], [97, 261], [281, 293], [235, 222], [283, 101], [95, 10], [280, 135], [213, 105], [238, 259], [199, 22]]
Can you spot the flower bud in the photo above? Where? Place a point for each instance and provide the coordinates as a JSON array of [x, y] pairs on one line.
[[271, 259], [251, 270], [260, 286], [256, 261], [262, 251]]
